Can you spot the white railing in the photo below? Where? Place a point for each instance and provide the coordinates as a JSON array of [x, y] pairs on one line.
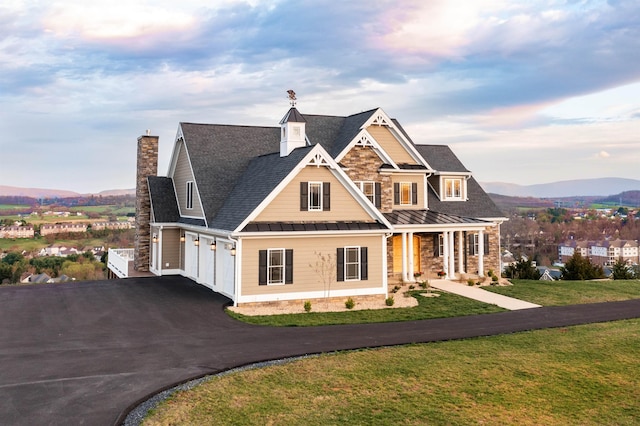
[[119, 261]]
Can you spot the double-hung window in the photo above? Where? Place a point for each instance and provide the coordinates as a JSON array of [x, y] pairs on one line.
[[405, 193], [275, 266], [352, 263], [190, 194], [315, 196], [372, 190]]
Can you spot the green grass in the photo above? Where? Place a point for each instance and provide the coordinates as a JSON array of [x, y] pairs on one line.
[[556, 293], [14, 206], [584, 375], [447, 305]]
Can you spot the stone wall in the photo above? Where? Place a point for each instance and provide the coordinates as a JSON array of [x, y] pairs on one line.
[[147, 165], [363, 164]]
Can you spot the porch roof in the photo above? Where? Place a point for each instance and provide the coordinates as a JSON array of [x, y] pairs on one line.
[[428, 217]]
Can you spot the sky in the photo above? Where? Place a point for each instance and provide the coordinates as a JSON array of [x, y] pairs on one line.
[[524, 92]]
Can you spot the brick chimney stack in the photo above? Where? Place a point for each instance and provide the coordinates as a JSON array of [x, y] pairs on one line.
[[147, 165]]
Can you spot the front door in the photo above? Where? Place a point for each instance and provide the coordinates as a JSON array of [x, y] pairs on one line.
[[397, 254]]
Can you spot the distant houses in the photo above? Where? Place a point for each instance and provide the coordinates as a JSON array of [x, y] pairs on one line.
[[602, 252], [60, 228], [17, 231]]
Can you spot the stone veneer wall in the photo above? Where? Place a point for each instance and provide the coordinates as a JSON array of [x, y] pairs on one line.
[[491, 260], [147, 165], [363, 165]]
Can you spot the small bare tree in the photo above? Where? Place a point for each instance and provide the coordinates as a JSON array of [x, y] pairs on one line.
[[325, 267]]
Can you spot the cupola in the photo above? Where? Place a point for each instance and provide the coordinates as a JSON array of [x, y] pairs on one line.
[[292, 129]]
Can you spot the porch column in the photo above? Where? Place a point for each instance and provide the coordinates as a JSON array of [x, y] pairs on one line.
[[410, 256], [404, 257], [452, 260], [481, 253], [445, 254], [461, 252]]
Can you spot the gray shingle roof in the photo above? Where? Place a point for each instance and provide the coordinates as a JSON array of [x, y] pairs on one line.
[[441, 158], [220, 154], [261, 177], [478, 205], [163, 199]]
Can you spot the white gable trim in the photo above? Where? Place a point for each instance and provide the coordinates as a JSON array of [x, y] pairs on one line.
[[172, 169], [317, 157], [380, 118]]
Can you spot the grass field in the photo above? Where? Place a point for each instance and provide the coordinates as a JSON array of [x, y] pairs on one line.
[[584, 375], [14, 207], [448, 305], [556, 293]]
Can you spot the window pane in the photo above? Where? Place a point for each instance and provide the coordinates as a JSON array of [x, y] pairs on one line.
[[275, 258], [315, 196], [352, 271], [352, 255], [405, 193]]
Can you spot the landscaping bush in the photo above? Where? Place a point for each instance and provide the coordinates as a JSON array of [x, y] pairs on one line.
[[389, 301], [307, 306], [349, 304]]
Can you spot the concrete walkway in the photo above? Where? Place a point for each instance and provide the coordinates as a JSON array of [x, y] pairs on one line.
[[481, 295]]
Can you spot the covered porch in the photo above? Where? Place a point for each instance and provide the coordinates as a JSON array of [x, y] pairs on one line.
[[426, 243]]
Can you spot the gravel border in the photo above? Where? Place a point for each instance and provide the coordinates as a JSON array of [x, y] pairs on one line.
[[138, 414]]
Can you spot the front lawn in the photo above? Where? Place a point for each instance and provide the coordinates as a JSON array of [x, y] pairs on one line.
[[447, 305], [583, 375], [555, 293]]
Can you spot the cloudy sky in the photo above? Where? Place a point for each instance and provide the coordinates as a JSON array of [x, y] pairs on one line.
[[524, 92]]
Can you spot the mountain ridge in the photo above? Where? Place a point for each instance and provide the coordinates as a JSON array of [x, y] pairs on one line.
[[597, 187], [16, 191]]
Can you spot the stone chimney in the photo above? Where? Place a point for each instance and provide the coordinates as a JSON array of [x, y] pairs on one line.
[[147, 165]]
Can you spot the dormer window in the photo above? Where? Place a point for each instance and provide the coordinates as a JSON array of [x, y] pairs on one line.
[[453, 189]]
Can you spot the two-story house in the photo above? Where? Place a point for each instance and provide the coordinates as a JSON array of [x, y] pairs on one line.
[[319, 206]]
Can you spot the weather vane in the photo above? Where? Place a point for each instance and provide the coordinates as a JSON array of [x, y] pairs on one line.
[[292, 97]]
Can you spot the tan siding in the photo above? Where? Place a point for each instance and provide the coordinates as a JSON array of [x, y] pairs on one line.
[[181, 176], [286, 206], [305, 254], [171, 249], [390, 144], [419, 179]]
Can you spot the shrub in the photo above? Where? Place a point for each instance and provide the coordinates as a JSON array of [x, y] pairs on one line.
[[424, 285], [411, 287], [389, 301], [349, 304], [307, 306], [494, 279], [523, 270], [470, 282], [395, 289], [579, 268]]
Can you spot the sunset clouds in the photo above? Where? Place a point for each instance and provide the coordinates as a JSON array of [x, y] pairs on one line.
[[523, 91]]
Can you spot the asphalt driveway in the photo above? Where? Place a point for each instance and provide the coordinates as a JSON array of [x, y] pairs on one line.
[[85, 353]]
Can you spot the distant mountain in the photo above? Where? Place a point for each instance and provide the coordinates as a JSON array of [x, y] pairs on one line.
[[567, 188], [56, 193]]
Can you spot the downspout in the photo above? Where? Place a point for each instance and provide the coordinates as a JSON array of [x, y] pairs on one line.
[[237, 266]]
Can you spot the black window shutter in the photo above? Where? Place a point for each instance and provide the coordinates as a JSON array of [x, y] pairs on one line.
[[326, 196], [364, 263], [340, 264], [471, 246], [396, 193], [304, 196], [288, 266], [378, 194], [486, 243], [262, 262], [414, 193], [436, 245]]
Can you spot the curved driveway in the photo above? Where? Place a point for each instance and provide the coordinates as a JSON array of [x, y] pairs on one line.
[[85, 353]]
